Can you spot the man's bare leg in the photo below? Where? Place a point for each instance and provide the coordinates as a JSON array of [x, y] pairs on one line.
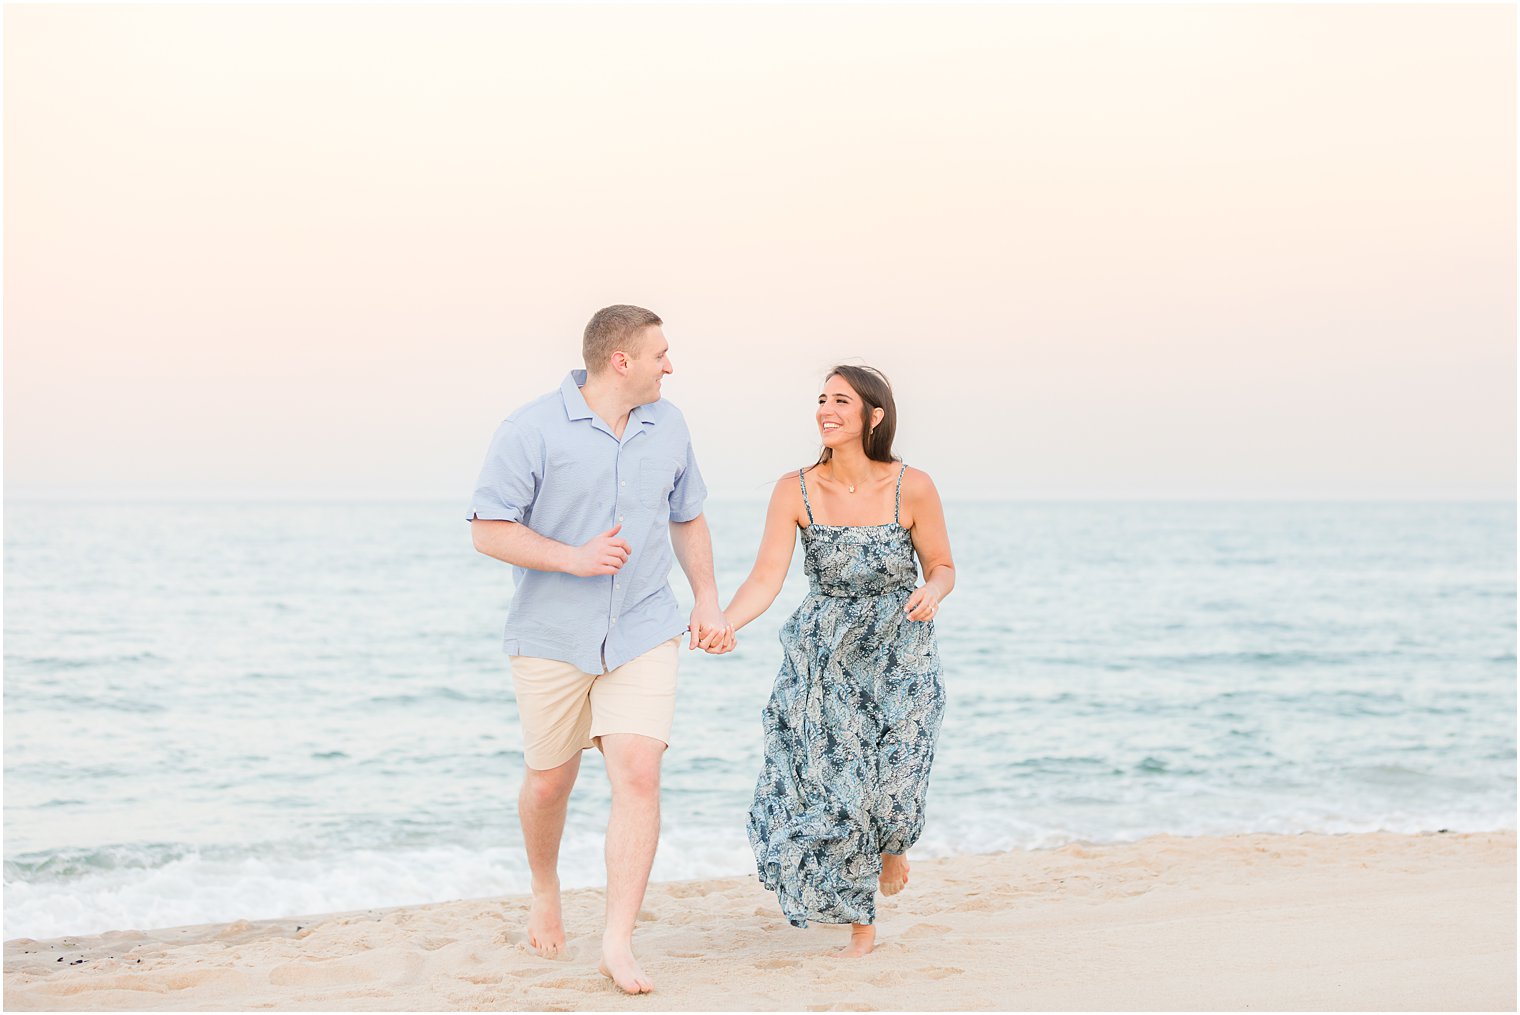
[[633, 832], [541, 806], [894, 873]]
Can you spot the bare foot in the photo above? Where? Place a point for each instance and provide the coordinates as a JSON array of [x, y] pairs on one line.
[[894, 873], [619, 966], [862, 940], [546, 932]]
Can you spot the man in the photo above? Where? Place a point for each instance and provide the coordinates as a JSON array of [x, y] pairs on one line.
[[586, 491]]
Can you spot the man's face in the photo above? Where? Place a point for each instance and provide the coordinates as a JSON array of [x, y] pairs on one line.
[[648, 363]]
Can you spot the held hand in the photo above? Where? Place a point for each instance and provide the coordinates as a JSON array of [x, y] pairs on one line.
[[600, 555], [923, 604], [716, 641], [710, 631], [725, 642]]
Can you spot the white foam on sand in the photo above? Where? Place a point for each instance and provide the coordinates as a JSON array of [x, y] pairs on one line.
[[1303, 922]]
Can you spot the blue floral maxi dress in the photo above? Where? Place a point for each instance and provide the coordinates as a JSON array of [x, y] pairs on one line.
[[850, 726]]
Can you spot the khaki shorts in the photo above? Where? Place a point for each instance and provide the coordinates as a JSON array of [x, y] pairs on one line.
[[565, 710]]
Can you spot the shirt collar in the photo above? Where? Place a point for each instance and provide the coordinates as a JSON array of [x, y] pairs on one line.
[[575, 401], [570, 391]]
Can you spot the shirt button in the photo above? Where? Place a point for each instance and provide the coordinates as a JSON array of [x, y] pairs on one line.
[[620, 517], [614, 620], [622, 482]]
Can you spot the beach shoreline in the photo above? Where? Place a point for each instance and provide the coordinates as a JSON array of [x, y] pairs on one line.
[[1359, 921]]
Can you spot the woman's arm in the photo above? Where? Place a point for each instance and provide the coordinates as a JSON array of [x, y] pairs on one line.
[[932, 542], [775, 556]]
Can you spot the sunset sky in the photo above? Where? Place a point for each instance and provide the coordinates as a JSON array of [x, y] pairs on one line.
[[1185, 251]]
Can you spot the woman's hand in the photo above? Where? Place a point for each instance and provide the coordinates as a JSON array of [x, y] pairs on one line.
[[721, 642], [923, 604], [710, 630], [931, 542]]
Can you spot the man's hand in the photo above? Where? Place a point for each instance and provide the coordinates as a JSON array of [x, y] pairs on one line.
[[600, 555], [711, 631]]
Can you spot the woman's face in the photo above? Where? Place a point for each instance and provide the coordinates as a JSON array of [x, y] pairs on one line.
[[839, 414]]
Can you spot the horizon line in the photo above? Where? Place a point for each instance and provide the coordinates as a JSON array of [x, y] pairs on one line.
[[158, 497]]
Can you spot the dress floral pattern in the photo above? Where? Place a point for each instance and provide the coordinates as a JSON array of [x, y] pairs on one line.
[[850, 727]]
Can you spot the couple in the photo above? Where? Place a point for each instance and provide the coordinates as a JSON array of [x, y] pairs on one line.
[[587, 492]]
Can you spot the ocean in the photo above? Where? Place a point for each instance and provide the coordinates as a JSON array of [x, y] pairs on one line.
[[217, 711]]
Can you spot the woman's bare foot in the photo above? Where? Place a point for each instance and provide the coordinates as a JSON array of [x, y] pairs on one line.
[[862, 940], [546, 932], [619, 966], [894, 873]]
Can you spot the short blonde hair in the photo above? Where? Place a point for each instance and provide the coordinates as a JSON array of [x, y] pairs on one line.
[[610, 329]]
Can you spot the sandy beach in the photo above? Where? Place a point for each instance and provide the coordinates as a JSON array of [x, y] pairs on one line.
[[1369, 921]]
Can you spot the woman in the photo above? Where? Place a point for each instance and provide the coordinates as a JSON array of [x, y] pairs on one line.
[[851, 724]]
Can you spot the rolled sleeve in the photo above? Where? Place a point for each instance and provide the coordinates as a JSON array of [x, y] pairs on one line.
[[687, 496], [510, 476]]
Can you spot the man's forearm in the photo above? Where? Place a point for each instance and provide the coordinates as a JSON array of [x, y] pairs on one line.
[[519, 545], [692, 543]]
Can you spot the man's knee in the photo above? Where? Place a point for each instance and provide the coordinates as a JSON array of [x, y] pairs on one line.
[[547, 787], [642, 781], [633, 764]]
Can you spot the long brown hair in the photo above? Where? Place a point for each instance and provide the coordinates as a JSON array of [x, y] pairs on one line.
[[875, 392]]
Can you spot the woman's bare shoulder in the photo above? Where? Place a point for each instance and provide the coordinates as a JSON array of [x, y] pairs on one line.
[[916, 482], [788, 479], [787, 486]]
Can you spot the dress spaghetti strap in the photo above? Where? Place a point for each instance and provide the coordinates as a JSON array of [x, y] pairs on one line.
[[897, 504], [805, 503]]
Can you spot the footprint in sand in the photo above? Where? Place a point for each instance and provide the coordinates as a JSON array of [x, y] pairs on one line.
[[319, 973], [981, 905], [922, 930], [112, 983], [777, 964], [211, 978], [583, 984]]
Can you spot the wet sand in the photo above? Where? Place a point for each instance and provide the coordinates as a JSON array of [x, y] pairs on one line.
[[1369, 921]]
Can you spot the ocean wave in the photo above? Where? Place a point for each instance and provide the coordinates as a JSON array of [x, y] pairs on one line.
[[125, 887]]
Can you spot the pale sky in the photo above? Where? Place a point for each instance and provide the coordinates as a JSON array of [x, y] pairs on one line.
[[1187, 251]]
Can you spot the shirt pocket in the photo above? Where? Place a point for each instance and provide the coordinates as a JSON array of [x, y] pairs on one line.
[[657, 478]]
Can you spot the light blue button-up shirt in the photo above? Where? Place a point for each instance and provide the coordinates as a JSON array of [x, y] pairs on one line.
[[556, 467]]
